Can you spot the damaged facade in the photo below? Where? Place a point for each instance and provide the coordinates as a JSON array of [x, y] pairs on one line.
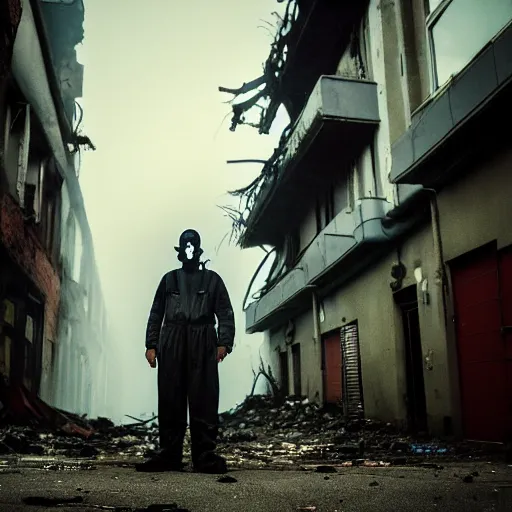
[[387, 205], [52, 328]]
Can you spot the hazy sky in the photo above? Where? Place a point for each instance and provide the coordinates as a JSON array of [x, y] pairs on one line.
[[152, 108]]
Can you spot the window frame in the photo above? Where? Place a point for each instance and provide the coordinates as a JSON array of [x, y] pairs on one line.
[[431, 19]]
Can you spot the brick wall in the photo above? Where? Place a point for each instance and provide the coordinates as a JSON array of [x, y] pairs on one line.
[[24, 247], [10, 16]]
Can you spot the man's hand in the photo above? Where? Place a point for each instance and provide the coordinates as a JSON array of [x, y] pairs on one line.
[[222, 352], [151, 357]]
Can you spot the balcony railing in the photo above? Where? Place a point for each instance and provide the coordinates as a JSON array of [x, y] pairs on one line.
[[337, 123]]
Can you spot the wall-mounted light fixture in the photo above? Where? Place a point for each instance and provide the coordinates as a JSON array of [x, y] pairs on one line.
[[424, 292]]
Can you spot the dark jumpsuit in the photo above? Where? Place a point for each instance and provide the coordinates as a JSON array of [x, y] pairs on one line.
[[181, 327]]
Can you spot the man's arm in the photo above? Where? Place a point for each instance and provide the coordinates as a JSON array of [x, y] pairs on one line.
[[156, 316], [225, 316]]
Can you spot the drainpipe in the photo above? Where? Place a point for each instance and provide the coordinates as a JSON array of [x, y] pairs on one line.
[[316, 323]]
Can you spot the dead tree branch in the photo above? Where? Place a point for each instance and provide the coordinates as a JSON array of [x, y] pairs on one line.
[[272, 381], [246, 87]]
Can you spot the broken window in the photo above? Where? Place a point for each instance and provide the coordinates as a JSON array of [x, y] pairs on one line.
[[459, 30], [34, 188], [50, 207]]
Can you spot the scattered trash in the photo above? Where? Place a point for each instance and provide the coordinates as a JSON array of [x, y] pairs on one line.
[[427, 449], [374, 484], [260, 432]]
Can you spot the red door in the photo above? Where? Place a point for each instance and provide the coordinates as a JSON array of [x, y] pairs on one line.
[[481, 280], [505, 273], [332, 368]]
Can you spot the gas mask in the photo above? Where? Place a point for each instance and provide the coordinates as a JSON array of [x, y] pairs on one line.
[[189, 249]]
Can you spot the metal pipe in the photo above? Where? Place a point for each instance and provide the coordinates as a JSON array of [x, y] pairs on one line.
[[316, 323]]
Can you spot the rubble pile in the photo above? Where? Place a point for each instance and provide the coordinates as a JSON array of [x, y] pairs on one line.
[[301, 432], [257, 433], [106, 440]]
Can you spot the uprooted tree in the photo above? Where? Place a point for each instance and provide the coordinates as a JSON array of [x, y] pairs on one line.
[[265, 87]]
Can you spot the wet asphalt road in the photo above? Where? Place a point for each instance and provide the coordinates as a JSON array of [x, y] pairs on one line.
[[350, 489]]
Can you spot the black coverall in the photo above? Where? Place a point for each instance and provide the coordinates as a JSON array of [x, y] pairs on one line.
[[181, 327]]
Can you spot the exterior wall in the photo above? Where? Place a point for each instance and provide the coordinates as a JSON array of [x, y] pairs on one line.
[[25, 249], [469, 218], [396, 55], [81, 376], [73, 355], [369, 300]]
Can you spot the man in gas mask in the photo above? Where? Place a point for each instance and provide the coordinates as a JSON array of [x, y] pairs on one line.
[[181, 336]]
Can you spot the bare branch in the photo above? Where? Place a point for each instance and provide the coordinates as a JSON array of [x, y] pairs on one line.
[[246, 87], [247, 161]]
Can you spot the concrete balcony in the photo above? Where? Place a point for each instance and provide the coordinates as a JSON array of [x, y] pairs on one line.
[[347, 245], [464, 118], [337, 122]]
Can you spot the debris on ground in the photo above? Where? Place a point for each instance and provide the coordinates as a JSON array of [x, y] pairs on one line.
[[259, 433]]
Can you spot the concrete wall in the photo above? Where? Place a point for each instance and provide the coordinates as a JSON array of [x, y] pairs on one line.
[[478, 209]]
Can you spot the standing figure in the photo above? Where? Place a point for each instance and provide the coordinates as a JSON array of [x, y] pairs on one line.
[[182, 338]]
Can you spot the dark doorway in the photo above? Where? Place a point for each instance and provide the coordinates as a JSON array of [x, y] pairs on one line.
[[297, 384], [284, 372], [407, 300]]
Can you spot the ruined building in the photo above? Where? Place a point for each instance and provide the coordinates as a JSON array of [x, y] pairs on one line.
[[52, 328], [387, 208]]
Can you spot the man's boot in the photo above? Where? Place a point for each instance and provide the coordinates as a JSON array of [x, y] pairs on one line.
[[210, 462], [158, 464]]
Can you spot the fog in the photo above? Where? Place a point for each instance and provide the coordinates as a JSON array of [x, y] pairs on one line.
[[152, 108]]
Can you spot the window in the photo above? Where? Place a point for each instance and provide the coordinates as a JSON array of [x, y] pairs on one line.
[[16, 144], [459, 29], [50, 208], [325, 208]]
